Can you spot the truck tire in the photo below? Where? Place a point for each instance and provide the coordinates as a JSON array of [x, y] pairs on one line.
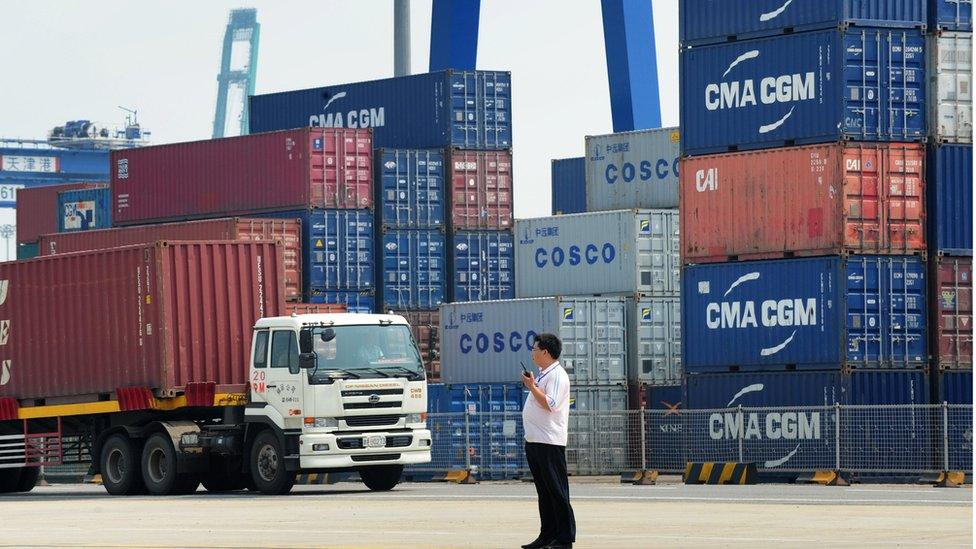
[[268, 465], [381, 478], [119, 466], [9, 480], [160, 470], [28, 478]]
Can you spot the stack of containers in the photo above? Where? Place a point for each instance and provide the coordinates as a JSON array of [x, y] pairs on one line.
[[802, 188], [39, 211]]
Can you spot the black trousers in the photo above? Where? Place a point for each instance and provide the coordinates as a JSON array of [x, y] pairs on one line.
[[548, 465]]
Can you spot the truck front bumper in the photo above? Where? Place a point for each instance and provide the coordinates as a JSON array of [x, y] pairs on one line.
[[336, 450]]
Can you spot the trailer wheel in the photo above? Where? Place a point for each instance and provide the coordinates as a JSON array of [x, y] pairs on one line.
[[381, 478], [268, 465], [119, 466], [9, 480], [160, 468], [28, 478]]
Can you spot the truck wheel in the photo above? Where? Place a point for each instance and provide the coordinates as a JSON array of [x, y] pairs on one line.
[[160, 469], [120, 466], [268, 465], [381, 477], [9, 480], [28, 478]]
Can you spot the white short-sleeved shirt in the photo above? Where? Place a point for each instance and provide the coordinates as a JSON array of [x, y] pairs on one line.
[[544, 426]]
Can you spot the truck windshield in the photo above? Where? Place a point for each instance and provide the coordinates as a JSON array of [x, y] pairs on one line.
[[365, 352]]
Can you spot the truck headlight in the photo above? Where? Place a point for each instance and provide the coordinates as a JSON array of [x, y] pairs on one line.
[[326, 423], [416, 418]]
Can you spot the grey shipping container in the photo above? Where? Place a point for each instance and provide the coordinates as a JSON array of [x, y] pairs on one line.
[[632, 170], [598, 426], [950, 87], [484, 341], [654, 340], [623, 252]]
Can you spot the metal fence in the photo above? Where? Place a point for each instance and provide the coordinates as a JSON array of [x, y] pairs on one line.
[[862, 440]]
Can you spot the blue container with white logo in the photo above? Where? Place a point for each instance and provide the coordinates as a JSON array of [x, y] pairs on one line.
[[84, 210], [568, 185], [468, 109], [482, 266], [413, 269], [951, 15], [409, 188], [819, 313], [862, 84], [949, 188]]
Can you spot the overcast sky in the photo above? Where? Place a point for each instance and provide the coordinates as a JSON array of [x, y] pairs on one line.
[[66, 60]]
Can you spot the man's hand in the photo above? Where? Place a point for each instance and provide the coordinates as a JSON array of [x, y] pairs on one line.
[[528, 380]]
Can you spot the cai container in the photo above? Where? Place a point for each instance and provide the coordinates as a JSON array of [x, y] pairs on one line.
[[632, 170]]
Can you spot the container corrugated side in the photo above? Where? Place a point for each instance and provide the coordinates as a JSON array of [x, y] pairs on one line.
[[452, 108], [84, 210], [951, 319], [623, 251], [410, 188], [313, 309], [954, 15], [599, 425], [812, 87], [479, 187], [37, 209], [950, 199], [425, 326], [816, 313], [481, 266], [632, 170], [654, 340], [804, 201], [950, 93], [412, 274], [663, 425], [159, 317], [568, 185], [954, 387]]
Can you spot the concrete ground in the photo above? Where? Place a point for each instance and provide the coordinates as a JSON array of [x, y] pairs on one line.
[[495, 515]]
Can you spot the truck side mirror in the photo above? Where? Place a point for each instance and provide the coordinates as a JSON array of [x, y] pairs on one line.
[[305, 341], [306, 361]]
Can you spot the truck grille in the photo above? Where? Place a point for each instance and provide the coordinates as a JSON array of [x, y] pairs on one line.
[[370, 405], [376, 457], [356, 443], [372, 421], [366, 393], [399, 441]]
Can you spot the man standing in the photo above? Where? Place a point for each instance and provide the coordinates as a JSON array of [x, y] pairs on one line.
[[545, 418]]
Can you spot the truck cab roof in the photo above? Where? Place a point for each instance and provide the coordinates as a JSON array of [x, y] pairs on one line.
[[296, 322]]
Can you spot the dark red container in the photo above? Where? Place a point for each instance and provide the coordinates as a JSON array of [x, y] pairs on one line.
[[480, 189], [425, 326], [313, 308], [159, 317], [803, 201], [951, 324], [240, 229], [266, 172], [37, 209]]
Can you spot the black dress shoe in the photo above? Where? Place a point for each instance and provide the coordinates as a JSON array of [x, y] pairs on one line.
[[539, 543], [558, 545]]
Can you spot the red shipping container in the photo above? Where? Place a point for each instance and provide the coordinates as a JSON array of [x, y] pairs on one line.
[[480, 189], [266, 172], [37, 209], [158, 317], [313, 308], [241, 229], [803, 201], [951, 324], [425, 326]]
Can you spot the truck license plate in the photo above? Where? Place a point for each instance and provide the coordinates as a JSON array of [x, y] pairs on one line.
[[375, 441]]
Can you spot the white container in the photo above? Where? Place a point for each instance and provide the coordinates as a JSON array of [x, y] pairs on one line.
[[950, 92], [632, 170], [598, 426], [654, 340]]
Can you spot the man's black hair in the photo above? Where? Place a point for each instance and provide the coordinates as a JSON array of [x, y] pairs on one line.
[[549, 343]]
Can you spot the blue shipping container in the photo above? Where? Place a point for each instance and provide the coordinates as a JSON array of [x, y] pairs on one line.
[[409, 188], [815, 313], [569, 186], [714, 21], [664, 427], [952, 15], [949, 188], [954, 387], [84, 210], [482, 266], [814, 87], [468, 109], [363, 301], [413, 269]]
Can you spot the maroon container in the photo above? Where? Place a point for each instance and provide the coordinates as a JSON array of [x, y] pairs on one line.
[[480, 189], [314, 308], [425, 327], [951, 324], [278, 171], [157, 317], [240, 229], [37, 209]]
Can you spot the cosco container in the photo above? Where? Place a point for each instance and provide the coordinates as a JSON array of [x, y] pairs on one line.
[[954, 15], [599, 424], [482, 266], [451, 108], [951, 303], [950, 199], [288, 231], [950, 71], [136, 318], [654, 340], [713, 21], [425, 326], [288, 170], [410, 189], [864, 84], [413, 269], [568, 184], [819, 313], [484, 342], [38, 211], [480, 187], [632, 170], [804, 201], [84, 210], [623, 251]]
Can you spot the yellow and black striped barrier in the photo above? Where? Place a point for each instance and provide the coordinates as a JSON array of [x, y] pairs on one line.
[[711, 472], [826, 478], [641, 478], [945, 479]]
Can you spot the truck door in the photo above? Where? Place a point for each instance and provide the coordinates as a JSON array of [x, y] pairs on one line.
[[283, 383]]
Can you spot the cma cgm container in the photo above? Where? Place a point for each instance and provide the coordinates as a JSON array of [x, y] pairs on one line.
[[654, 340], [37, 209], [471, 109], [950, 70], [623, 251], [412, 276], [409, 188], [804, 201], [287, 231], [599, 424], [954, 15], [568, 185], [814, 87], [632, 170], [483, 342], [950, 199], [288, 170], [137, 319], [952, 312], [425, 326], [481, 266], [714, 21], [84, 209], [818, 313], [480, 189]]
